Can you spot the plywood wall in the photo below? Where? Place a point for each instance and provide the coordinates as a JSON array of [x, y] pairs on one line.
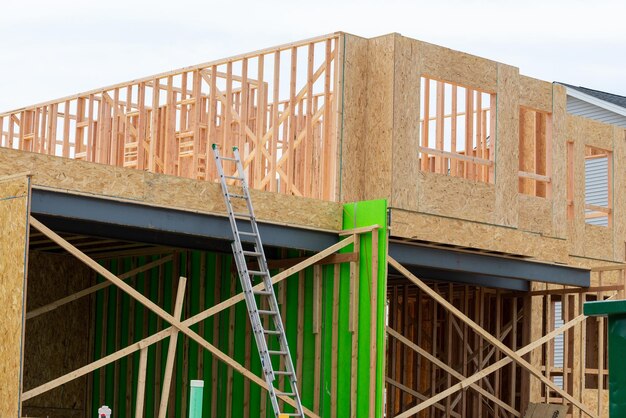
[[162, 190], [14, 208], [58, 341]]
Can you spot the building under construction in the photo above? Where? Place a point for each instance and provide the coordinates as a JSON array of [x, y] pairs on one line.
[[432, 221]]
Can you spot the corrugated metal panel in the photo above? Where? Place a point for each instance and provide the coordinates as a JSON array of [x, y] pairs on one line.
[[579, 107], [596, 187], [558, 342]]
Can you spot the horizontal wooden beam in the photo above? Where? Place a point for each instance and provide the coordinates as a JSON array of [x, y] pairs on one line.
[[453, 155]]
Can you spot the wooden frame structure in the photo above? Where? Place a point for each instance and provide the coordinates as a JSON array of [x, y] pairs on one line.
[[184, 325], [283, 123], [340, 118]]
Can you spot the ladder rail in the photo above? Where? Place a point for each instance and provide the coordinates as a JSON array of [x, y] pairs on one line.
[[237, 221]]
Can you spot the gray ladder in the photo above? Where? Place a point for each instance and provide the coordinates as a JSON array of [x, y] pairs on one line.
[[244, 224]]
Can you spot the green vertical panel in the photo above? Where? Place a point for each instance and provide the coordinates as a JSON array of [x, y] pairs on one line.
[[168, 304], [138, 329], [327, 341], [152, 328], [222, 369], [97, 347], [239, 354], [307, 351], [180, 350], [358, 215], [123, 389], [344, 344], [194, 307], [209, 300], [110, 341]]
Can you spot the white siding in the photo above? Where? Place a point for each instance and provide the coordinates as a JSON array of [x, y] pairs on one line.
[[596, 187], [579, 107], [558, 342]]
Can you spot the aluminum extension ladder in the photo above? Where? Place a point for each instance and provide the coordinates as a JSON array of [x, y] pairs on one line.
[[244, 224]]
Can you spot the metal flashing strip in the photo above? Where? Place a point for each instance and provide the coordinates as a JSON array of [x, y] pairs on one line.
[[484, 270], [164, 226]]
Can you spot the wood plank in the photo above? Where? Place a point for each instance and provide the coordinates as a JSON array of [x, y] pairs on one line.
[[171, 349], [141, 382]]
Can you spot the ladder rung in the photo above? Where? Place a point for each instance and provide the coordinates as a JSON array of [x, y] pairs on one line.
[[264, 312], [249, 234], [283, 372], [228, 159], [238, 196], [233, 177], [291, 414], [251, 253], [243, 215], [257, 273], [276, 353], [262, 292], [279, 393], [271, 332]]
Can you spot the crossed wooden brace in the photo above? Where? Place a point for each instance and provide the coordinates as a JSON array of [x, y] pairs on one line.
[[183, 326], [512, 355]]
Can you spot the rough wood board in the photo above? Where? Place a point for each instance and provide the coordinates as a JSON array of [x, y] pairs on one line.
[[619, 184], [546, 411], [162, 190], [507, 144], [457, 67], [14, 204], [352, 116], [377, 163], [406, 114], [536, 94], [438, 229], [598, 242], [456, 197], [59, 340], [559, 162], [590, 397], [535, 214], [592, 133]]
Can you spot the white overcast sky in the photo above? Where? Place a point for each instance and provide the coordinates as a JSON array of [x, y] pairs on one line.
[[50, 49]]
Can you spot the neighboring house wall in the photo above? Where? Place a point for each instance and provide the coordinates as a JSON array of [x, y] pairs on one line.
[[579, 107], [596, 189]]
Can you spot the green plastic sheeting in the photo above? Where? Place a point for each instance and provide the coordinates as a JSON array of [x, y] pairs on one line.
[[616, 311], [362, 214], [120, 321]]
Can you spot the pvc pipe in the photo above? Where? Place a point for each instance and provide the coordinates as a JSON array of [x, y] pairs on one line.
[[195, 399]]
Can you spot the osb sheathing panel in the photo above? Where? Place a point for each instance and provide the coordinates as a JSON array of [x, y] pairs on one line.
[[598, 242], [438, 229], [352, 114], [507, 146], [536, 94], [377, 164], [457, 67], [455, 197], [58, 339], [590, 398], [535, 214], [14, 204], [559, 162], [592, 133], [161, 190], [619, 184], [406, 114]]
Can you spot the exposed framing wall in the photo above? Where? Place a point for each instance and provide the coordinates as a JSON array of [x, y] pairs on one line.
[[14, 207]]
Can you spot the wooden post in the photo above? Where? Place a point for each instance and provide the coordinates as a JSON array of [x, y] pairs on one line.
[[171, 350], [141, 382]]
